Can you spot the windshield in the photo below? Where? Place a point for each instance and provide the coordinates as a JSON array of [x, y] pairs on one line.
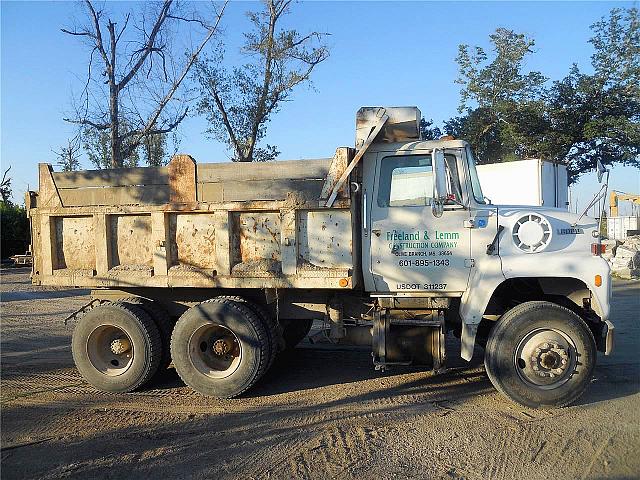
[[473, 173]]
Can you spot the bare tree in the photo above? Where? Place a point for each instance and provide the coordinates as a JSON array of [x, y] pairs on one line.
[[5, 187], [238, 104], [140, 71], [69, 155]]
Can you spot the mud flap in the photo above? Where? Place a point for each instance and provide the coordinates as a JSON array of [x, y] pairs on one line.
[[468, 340]]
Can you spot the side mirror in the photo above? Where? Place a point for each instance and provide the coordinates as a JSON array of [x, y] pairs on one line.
[[439, 182], [439, 175]]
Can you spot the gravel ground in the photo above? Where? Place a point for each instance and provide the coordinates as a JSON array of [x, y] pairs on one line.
[[321, 412]]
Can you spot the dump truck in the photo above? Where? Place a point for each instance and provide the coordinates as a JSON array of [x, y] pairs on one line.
[[216, 268]]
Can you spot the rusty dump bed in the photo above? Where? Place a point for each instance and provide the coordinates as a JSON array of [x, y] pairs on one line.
[[187, 225]]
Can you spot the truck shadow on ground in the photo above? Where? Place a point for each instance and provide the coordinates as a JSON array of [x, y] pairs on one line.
[[312, 367], [611, 382]]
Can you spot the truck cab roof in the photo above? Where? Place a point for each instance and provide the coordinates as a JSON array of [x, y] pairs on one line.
[[416, 145]]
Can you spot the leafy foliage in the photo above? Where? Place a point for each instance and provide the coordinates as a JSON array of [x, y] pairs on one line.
[[5, 186], [153, 150], [508, 114], [428, 131], [97, 146], [14, 226], [68, 156], [239, 102], [498, 84]]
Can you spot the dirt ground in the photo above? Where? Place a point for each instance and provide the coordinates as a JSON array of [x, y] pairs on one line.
[[321, 412]]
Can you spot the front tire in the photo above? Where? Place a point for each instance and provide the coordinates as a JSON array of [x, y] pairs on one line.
[[220, 348], [540, 355]]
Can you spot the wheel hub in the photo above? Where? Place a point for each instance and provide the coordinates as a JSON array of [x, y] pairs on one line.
[[120, 346], [546, 358], [110, 350], [215, 351], [222, 346], [549, 360]]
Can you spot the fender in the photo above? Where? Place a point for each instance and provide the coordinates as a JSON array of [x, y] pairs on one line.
[[484, 279], [491, 271]]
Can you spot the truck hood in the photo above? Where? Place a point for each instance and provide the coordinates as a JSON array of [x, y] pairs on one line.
[[537, 230], [540, 242]]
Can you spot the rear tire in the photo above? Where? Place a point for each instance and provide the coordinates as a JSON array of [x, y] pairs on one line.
[[162, 320], [540, 355], [116, 347], [220, 348], [294, 331], [276, 342]]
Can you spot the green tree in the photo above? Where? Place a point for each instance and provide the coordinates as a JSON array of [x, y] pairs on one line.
[[97, 146], [508, 114], [69, 156], [496, 95], [498, 83], [597, 116], [14, 229], [5, 186], [154, 149], [14, 225], [428, 131], [238, 103]]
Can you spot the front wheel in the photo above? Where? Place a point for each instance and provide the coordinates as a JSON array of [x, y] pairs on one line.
[[540, 355]]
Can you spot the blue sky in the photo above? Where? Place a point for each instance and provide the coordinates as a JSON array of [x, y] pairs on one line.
[[382, 53]]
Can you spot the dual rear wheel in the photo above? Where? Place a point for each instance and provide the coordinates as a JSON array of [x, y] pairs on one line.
[[220, 347]]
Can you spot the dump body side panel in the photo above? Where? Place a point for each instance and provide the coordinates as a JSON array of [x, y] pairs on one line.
[[206, 226]]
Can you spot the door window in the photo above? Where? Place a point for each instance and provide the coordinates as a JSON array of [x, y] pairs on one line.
[[407, 181]]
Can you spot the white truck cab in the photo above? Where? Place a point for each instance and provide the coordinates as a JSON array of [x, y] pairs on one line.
[[466, 247], [428, 231]]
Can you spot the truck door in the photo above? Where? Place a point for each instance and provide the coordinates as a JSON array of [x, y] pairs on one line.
[[410, 248]]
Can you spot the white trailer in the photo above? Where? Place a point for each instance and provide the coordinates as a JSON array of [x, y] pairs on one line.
[[526, 182]]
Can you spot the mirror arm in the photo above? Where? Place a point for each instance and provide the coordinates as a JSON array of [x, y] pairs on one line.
[[437, 207]]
